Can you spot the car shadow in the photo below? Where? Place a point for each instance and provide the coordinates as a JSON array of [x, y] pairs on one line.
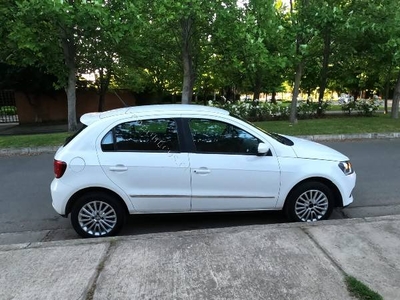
[[158, 223]]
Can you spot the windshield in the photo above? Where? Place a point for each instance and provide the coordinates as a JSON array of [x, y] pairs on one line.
[[280, 138]]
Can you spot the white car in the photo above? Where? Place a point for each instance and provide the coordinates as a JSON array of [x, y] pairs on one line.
[[191, 158]]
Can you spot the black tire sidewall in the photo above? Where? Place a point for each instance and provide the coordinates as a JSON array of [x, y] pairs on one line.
[[306, 186], [97, 196]]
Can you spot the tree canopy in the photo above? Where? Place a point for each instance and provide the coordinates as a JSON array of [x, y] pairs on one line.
[[188, 47]]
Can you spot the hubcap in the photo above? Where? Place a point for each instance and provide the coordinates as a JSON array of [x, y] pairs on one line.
[[311, 206], [97, 218]]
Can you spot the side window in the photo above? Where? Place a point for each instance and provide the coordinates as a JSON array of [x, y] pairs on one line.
[[212, 136], [143, 135]]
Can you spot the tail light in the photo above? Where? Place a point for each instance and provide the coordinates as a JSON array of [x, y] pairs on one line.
[[59, 168]]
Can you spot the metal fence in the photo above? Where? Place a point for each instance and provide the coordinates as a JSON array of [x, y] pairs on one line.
[[8, 108]]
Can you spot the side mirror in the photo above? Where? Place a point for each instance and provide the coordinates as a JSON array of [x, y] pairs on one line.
[[262, 149]]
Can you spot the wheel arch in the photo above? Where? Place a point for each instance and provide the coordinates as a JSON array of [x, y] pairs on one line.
[[78, 194], [338, 201]]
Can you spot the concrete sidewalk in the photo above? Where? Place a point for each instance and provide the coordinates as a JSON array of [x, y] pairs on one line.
[[284, 261]]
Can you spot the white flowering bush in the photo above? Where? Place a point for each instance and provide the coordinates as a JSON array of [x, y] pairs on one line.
[[310, 110], [364, 107], [255, 110]]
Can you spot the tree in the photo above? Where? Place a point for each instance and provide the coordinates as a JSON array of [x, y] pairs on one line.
[[43, 34], [298, 13], [109, 29], [378, 54], [66, 38], [189, 26]]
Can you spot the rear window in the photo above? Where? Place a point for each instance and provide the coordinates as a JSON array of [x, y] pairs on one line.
[[71, 137], [143, 135]]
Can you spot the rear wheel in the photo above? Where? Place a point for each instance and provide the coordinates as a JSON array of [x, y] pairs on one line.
[[309, 202], [97, 215]]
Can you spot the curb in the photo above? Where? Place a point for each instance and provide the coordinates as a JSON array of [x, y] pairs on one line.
[[28, 151], [343, 137]]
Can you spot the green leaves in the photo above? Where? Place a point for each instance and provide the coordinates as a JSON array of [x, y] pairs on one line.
[[246, 48]]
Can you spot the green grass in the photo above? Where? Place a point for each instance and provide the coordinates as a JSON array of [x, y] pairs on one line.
[[34, 140], [360, 290], [334, 125], [335, 107], [329, 125]]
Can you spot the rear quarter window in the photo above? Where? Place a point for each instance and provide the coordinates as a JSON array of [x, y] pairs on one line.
[[71, 137]]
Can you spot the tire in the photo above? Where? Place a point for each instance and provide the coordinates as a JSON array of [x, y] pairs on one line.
[[309, 202], [97, 214]]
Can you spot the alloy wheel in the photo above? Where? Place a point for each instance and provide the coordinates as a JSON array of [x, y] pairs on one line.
[[312, 205], [97, 218]]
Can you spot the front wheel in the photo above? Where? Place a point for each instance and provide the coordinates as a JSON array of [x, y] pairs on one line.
[[97, 215], [309, 202]]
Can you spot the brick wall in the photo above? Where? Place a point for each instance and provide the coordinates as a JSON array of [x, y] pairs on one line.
[[53, 108]]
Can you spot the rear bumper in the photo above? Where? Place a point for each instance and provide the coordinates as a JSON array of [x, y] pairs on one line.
[[60, 195]]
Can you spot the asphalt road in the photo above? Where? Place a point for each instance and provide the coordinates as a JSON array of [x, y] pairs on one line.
[[25, 203]]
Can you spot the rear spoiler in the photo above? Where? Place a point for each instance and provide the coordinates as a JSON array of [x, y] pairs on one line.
[[90, 118]]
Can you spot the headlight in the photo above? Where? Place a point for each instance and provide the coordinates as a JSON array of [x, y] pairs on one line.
[[346, 167]]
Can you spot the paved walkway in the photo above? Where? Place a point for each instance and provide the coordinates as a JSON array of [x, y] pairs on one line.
[[284, 261]]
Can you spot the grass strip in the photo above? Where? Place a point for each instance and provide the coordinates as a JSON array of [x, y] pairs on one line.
[[340, 124], [34, 140], [360, 290]]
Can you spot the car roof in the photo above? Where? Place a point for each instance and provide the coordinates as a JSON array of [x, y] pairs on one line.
[[155, 109]]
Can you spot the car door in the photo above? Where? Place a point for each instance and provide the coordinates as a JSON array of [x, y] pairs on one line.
[[227, 172], [143, 158]]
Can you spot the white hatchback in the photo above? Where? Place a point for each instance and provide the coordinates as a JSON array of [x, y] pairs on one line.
[[190, 158]]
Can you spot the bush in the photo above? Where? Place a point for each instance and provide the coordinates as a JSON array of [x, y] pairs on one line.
[[8, 110], [310, 110], [262, 111], [362, 107], [254, 110]]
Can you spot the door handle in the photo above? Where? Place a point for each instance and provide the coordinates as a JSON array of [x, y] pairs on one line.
[[118, 168], [202, 171]]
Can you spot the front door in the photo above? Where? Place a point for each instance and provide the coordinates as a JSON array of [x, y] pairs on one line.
[[226, 172]]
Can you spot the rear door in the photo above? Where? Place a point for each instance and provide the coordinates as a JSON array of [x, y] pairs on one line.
[[143, 158]]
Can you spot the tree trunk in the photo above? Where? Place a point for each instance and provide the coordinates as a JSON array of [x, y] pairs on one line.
[[396, 98], [187, 88], [324, 70], [188, 70], [102, 85], [385, 110], [101, 102], [67, 39], [299, 68], [355, 94], [387, 88], [71, 100], [293, 106], [257, 87], [273, 97]]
